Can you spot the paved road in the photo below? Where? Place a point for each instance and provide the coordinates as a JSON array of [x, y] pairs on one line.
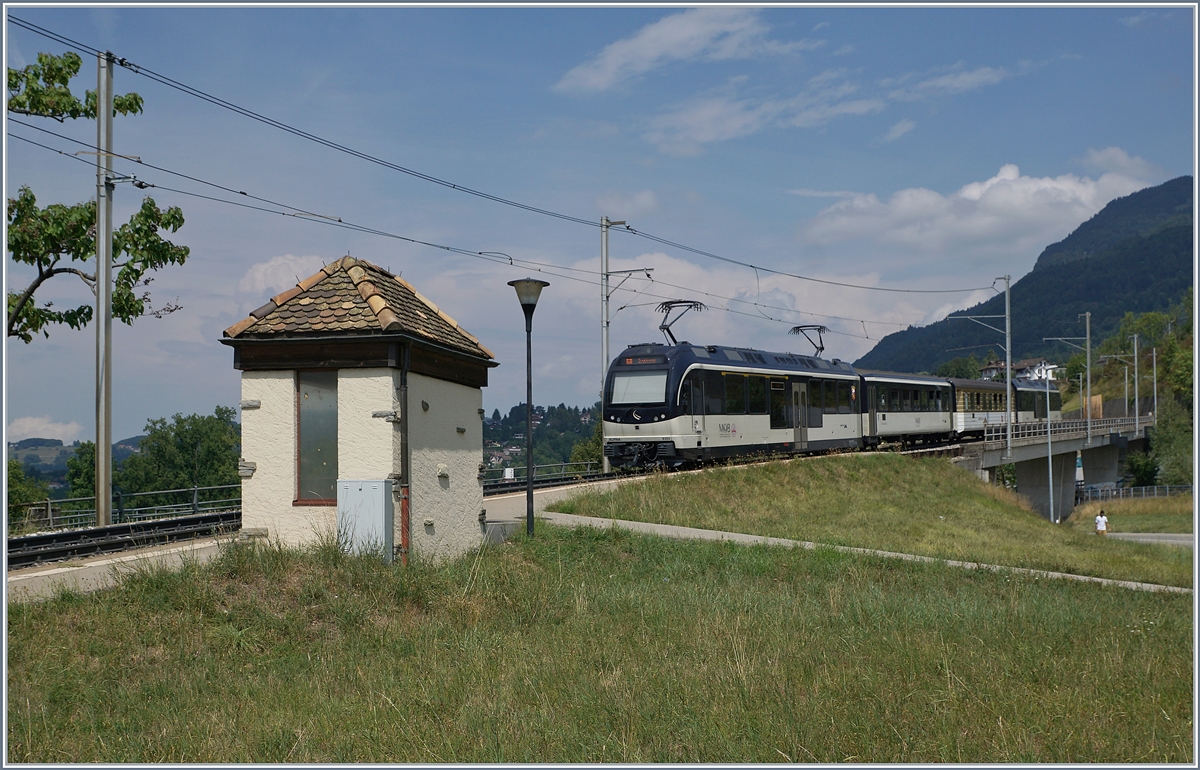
[[1186, 541]]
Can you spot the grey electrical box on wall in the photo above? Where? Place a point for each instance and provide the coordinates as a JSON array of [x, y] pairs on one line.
[[364, 516]]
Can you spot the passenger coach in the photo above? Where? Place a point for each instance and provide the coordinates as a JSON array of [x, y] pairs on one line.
[[672, 404]]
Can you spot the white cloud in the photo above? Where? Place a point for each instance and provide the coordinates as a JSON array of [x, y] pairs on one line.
[[808, 192], [278, 273], [846, 49], [614, 205], [1117, 160], [43, 427], [1133, 21], [723, 115], [896, 131], [951, 83], [1009, 215], [702, 33]]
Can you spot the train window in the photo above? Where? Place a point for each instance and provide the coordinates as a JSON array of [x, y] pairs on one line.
[[1055, 401], [843, 397], [922, 401], [906, 400], [830, 393], [893, 399], [880, 398], [937, 400], [1025, 401], [639, 388], [814, 394], [779, 404], [757, 388], [714, 393], [735, 394]]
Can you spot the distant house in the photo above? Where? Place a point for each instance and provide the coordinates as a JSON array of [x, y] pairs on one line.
[[991, 370], [353, 374], [1033, 369]]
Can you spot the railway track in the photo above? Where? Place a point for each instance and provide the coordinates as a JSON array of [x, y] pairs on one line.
[[48, 547]]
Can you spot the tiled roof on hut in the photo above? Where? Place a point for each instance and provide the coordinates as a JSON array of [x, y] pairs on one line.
[[352, 296]]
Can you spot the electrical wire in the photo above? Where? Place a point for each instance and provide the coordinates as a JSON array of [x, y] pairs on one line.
[[217, 101], [361, 228], [541, 267]]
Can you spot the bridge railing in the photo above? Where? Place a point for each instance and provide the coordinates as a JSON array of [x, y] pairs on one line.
[[1088, 494], [79, 512], [1027, 430]]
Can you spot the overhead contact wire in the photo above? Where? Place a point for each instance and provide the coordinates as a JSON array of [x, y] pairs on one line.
[[217, 101]]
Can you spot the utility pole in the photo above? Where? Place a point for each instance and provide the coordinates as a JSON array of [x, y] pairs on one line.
[[1007, 358], [104, 202], [1088, 321], [604, 225], [1088, 326], [1154, 359], [1008, 387], [1137, 410]]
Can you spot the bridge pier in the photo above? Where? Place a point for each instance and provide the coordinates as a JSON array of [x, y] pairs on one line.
[[1034, 484], [1102, 464]]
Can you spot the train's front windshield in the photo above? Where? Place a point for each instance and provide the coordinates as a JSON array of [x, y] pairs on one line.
[[639, 388]]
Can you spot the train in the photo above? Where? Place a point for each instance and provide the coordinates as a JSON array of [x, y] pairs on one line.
[[684, 404]]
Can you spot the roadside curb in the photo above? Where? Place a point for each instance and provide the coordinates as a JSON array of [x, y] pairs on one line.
[[692, 533]]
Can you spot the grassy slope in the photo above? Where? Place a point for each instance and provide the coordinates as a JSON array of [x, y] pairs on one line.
[[1154, 514], [587, 645], [884, 501]]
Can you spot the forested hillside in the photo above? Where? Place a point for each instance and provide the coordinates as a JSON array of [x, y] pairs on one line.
[[1100, 268]]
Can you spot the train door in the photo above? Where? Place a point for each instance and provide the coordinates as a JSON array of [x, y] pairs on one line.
[[800, 414], [871, 403], [696, 382]]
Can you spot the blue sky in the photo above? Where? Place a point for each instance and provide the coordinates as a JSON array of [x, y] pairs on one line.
[[905, 148]]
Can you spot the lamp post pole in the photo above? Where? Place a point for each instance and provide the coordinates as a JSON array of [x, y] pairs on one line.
[[1137, 407], [528, 291], [1049, 443]]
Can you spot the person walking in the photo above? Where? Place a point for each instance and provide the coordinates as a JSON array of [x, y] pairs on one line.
[[1101, 523]]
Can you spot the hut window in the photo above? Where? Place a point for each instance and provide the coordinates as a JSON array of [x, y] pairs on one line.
[[317, 428]]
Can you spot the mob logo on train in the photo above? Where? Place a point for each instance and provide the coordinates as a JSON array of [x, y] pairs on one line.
[[727, 428]]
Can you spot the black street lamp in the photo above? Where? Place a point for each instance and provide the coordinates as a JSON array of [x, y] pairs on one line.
[[528, 291]]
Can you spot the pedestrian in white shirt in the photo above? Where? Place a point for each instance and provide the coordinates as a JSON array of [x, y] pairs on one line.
[[1101, 523]]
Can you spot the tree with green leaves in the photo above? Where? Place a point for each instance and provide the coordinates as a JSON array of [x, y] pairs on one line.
[[188, 451], [966, 368], [22, 490], [54, 238]]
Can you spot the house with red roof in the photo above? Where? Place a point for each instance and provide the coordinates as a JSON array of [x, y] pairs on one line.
[[353, 374]]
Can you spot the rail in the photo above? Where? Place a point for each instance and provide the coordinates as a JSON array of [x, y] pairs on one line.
[[80, 512], [1089, 494], [53, 546], [1026, 430]]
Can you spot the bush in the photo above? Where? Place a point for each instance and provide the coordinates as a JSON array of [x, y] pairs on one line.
[[1143, 466]]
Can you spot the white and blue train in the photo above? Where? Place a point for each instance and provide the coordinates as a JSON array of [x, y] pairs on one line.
[[675, 404]]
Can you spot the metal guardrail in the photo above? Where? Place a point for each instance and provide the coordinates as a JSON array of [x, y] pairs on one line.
[[548, 472], [1026, 430], [80, 512], [1088, 494]]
